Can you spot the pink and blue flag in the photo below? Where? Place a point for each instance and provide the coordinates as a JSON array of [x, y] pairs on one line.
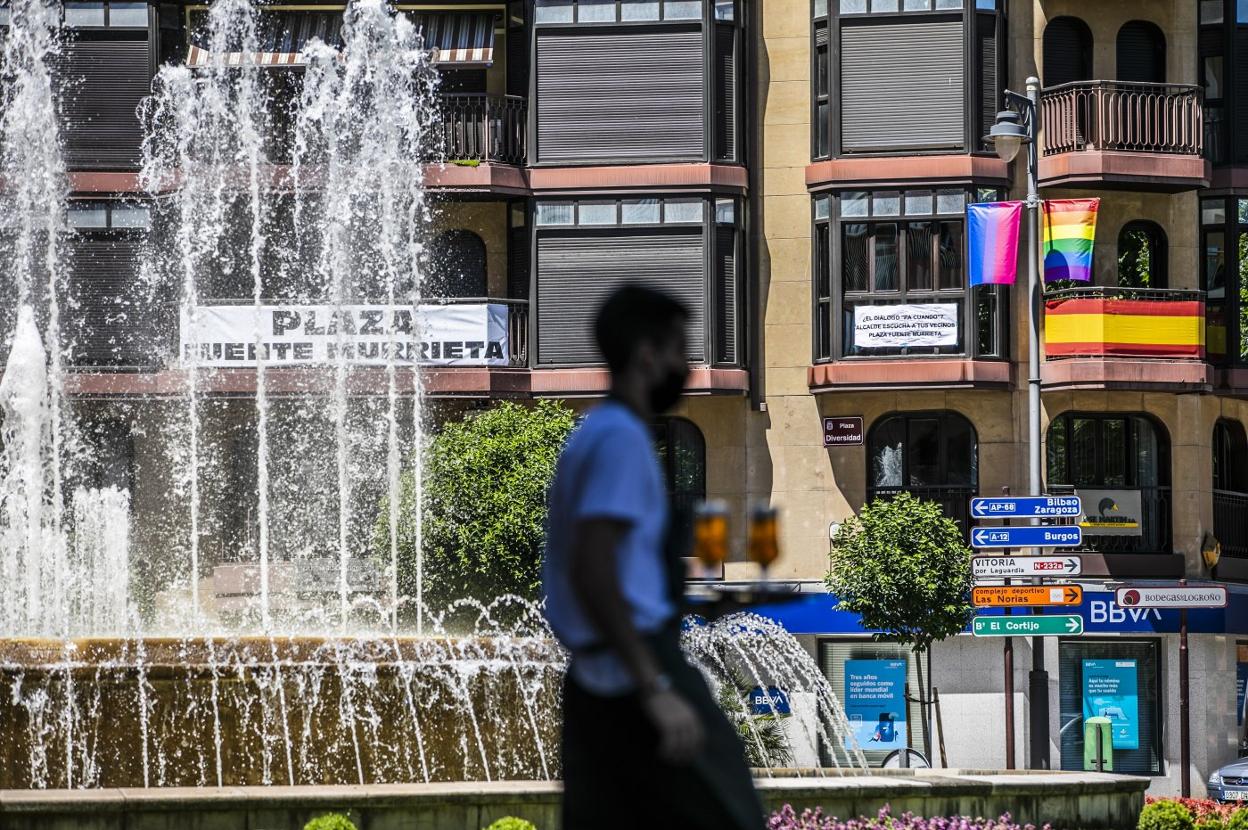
[[992, 242]]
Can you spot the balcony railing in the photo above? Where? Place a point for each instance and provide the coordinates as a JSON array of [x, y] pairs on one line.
[[1124, 322], [488, 128], [1230, 522], [1154, 534], [1128, 117], [517, 324]]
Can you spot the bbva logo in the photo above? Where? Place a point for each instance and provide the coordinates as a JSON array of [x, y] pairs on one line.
[[1108, 611]]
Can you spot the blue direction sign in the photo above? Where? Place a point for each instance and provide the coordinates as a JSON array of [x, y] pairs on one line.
[[1055, 536], [1025, 507]]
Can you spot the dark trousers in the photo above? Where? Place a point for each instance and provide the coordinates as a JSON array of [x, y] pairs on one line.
[[613, 777]]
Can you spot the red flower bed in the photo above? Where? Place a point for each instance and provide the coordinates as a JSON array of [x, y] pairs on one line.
[[1200, 807]]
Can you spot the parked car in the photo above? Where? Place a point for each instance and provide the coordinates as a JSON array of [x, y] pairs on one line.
[[1230, 783]]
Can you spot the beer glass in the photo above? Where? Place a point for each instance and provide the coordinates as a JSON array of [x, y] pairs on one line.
[[710, 533], [764, 544]]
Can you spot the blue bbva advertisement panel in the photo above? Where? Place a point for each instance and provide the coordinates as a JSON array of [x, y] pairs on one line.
[[875, 703], [1110, 690]]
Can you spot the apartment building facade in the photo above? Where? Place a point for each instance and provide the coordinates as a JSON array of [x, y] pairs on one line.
[[787, 167]]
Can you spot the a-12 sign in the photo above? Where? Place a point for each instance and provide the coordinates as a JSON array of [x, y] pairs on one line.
[[1025, 507], [1055, 536]]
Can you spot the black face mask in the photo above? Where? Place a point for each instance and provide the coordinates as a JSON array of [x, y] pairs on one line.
[[665, 394]]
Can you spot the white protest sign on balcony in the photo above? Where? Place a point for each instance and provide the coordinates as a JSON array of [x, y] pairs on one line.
[[891, 326], [471, 334]]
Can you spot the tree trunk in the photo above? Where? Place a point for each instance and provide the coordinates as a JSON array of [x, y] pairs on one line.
[[925, 701]]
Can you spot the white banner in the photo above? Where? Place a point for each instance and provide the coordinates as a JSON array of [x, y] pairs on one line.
[[892, 326], [362, 335]]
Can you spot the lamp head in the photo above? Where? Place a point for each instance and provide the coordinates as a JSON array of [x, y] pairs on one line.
[[1008, 135]]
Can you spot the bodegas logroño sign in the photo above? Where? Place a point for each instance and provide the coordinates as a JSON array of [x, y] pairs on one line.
[[470, 334]]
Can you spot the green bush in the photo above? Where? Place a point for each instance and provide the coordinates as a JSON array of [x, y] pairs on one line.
[[1210, 823], [484, 502], [512, 823], [1238, 820], [330, 821], [1166, 815]]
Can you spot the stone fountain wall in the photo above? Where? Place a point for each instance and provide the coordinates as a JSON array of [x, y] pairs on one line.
[[283, 711]]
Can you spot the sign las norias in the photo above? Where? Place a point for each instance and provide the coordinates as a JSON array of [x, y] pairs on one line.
[[986, 566], [1171, 596], [371, 335], [1011, 596], [891, 326]]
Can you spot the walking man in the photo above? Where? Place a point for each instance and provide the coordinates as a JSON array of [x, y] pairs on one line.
[[644, 745]]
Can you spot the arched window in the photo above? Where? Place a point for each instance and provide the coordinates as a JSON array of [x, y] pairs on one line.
[[682, 453], [456, 266], [1142, 256], [1067, 51], [1119, 463], [1230, 487], [932, 455], [1141, 53]]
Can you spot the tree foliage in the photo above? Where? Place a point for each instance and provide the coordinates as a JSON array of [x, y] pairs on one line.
[[904, 567], [484, 499]]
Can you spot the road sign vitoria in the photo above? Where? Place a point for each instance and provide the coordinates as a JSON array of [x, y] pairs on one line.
[[989, 566], [1054, 625], [1025, 507], [1056, 536], [1013, 596]]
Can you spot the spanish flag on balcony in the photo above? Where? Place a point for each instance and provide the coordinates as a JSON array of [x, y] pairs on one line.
[[1089, 322], [1069, 232]]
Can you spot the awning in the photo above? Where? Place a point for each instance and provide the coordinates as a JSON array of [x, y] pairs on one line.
[[456, 39]]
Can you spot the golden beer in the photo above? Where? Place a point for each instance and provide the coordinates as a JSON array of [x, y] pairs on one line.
[[710, 533], [764, 542]]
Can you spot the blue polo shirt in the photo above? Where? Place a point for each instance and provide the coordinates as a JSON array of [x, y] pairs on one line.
[[608, 470]]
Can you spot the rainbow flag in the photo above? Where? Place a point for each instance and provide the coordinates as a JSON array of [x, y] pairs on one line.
[[992, 242], [1069, 231]]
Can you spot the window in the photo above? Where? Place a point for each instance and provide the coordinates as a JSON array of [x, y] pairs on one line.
[[627, 11], [457, 266], [1142, 255], [1141, 53], [865, 675], [1067, 51], [1096, 679], [81, 215], [890, 278], [1224, 275], [1119, 463], [1230, 487], [932, 455], [98, 15], [682, 453]]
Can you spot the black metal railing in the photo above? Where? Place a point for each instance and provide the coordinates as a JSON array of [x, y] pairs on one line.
[[489, 128], [1230, 522], [1112, 292], [954, 501], [1154, 537], [1131, 117]]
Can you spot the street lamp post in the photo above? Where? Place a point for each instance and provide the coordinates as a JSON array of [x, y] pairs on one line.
[[1015, 127]]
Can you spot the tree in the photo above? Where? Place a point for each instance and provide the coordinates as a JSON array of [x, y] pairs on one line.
[[904, 567], [484, 491]]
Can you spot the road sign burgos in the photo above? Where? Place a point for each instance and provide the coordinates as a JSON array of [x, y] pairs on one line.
[[1010, 596], [988, 566], [1054, 625], [1056, 536], [1171, 596], [1025, 507]]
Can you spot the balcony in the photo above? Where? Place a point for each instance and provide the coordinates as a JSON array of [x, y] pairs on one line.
[[484, 128], [1116, 134], [1125, 338]]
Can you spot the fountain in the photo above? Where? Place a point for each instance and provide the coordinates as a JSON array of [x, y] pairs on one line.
[[257, 633]]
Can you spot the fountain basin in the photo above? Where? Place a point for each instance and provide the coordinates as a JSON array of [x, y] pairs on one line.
[[169, 712], [1072, 801]]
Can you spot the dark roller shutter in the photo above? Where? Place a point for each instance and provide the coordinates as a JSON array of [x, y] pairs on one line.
[[902, 86], [725, 292], [1141, 53], [1239, 107], [725, 93], [1142, 761], [100, 85], [604, 95], [576, 272], [990, 92], [1067, 51], [108, 321]]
